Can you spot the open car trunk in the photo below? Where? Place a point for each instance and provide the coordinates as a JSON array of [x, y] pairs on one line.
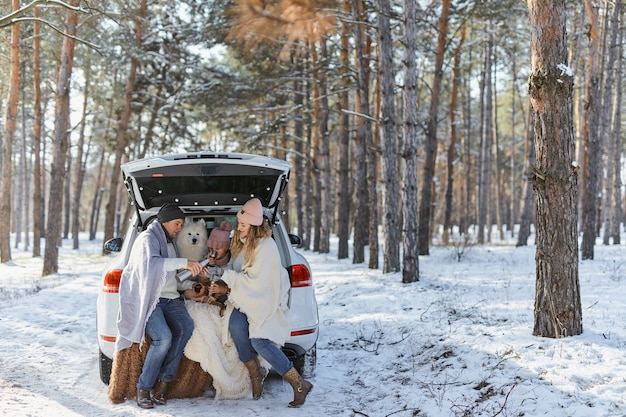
[[205, 180]]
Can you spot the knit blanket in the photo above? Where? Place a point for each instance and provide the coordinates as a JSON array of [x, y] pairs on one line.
[[142, 280], [212, 346]]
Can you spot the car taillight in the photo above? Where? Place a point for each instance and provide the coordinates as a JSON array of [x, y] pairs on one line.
[[300, 276], [112, 281], [302, 332]]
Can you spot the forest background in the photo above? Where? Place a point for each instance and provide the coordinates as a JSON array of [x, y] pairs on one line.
[[406, 118]]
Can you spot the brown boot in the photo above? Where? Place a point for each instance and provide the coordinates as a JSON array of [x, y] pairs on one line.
[[160, 393], [301, 387], [143, 398], [256, 377]]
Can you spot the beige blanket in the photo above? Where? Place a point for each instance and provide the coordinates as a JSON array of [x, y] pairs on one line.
[[212, 346]]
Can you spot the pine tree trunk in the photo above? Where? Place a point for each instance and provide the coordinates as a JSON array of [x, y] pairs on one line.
[[361, 217], [307, 169], [456, 76], [315, 149], [97, 195], [60, 148], [557, 299], [26, 169], [80, 165], [67, 200], [608, 202], [391, 253], [469, 209], [410, 258], [298, 131], [528, 201], [592, 140], [10, 123], [426, 201], [485, 191], [498, 183], [37, 126], [344, 196], [617, 137], [513, 203], [372, 151], [324, 153]]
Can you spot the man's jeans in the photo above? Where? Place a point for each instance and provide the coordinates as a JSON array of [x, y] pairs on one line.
[[249, 348], [170, 326]]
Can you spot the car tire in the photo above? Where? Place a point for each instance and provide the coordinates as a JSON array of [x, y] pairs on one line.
[[306, 364], [106, 364]]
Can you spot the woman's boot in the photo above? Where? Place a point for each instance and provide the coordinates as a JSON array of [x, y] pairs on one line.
[[301, 387], [255, 377]]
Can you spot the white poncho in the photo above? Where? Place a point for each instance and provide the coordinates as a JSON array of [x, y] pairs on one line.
[[261, 292]]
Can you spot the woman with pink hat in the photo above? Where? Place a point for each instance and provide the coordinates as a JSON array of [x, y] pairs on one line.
[[259, 287]]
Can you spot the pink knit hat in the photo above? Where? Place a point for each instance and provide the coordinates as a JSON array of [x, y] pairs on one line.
[[251, 212], [220, 236]]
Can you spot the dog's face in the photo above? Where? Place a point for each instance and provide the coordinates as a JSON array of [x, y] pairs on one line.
[[193, 233], [191, 240], [200, 289]]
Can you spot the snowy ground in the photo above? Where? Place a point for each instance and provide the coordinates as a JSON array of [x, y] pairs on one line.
[[457, 343]]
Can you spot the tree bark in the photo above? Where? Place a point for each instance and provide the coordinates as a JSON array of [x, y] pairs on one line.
[[456, 76], [425, 207], [10, 123], [485, 191], [323, 161], [37, 126], [391, 251], [97, 195], [606, 127], [363, 129], [67, 199], [344, 196], [61, 136], [81, 162], [557, 299], [528, 204], [316, 178], [592, 140], [617, 137], [410, 235]]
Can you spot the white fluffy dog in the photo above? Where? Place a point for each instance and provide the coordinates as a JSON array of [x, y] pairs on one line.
[[191, 241]]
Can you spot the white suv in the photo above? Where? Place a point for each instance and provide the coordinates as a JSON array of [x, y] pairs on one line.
[[213, 187]]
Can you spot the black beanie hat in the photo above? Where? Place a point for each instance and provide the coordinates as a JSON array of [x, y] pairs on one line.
[[169, 212]]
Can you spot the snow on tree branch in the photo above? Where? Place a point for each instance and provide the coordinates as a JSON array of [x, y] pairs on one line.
[[16, 15]]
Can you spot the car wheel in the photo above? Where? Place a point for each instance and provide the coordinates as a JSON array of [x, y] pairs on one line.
[[106, 364], [306, 364]]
